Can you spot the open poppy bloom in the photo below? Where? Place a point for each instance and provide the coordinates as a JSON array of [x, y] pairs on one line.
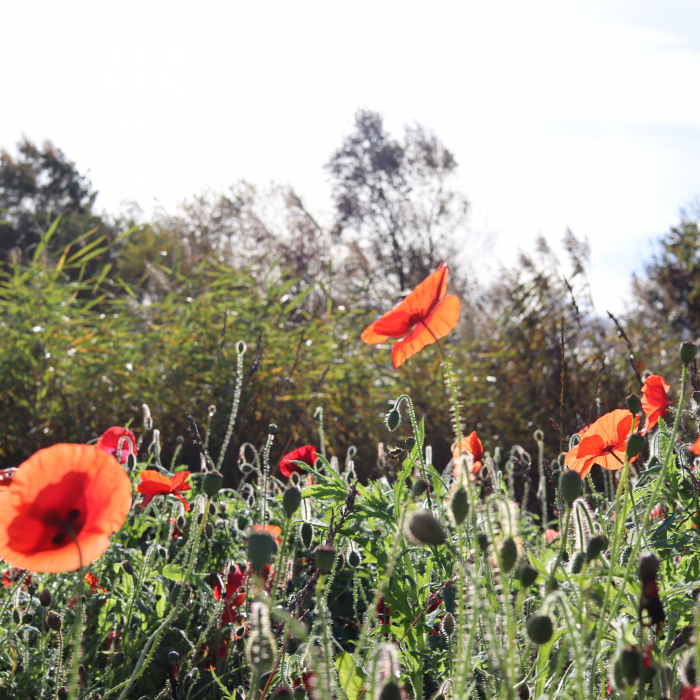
[[6, 477], [232, 591], [274, 530], [61, 507], [306, 454], [604, 443], [154, 483], [109, 442], [470, 445], [655, 401], [93, 582], [695, 447], [423, 317], [550, 534]]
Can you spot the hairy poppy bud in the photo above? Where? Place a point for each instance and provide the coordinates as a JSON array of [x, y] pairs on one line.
[[45, 598], [307, 534], [131, 461], [27, 618], [16, 616], [448, 625], [539, 628], [419, 487], [291, 500], [354, 559], [282, 692], [213, 482], [241, 347], [180, 440], [687, 352], [180, 522], [509, 553], [62, 693], [596, 545], [53, 620], [272, 429], [173, 658], [325, 557], [128, 568], [174, 593], [208, 530], [426, 529], [483, 541], [648, 568], [570, 485], [459, 506], [629, 662], [393, 419], [261, 549], [390, 691], [634, 404], [410, 443], [635, 444], [528, 575], [577, 562]]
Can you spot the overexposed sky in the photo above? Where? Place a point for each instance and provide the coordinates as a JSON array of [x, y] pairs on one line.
[[561, 114]]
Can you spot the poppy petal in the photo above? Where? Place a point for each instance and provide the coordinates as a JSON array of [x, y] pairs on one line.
[[371, 337], [186, 504]]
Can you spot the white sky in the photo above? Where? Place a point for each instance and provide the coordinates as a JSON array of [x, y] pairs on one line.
[[578, 114]]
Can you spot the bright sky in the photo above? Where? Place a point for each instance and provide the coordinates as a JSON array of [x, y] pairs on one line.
[[578, 114]]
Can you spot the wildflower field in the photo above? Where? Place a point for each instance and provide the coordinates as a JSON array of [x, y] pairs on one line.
[[496, 573]]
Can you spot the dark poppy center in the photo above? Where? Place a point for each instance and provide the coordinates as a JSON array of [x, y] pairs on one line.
[[66, 526]]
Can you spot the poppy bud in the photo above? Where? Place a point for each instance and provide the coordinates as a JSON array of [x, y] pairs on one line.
[[246, 468], [393, 420], [62, 693], [509, 553], [31, 590], [648, 568], [180, 522], [596, 545], [539, 628], [16, 616], [634, 404], [53, 620], [241, 347], [459, 506], [577, 562], [180, 440], [242, 521], [212, 509], [635, 444], [570, 485], [448, 625], [307, 534], [27, 618], [261, 549], [528, 575], [82, 673], [173, 658], [390, 691], [208, 530], [272, 429], [524, 692], [687, 352], [354, 559], [174, 593], [291, 500], [45, 598], [299, 693], [410, 443], [213, 482], [426, 529], [128, 568], [118, 659], [282, 692], [325, 557], [483, 541], [419, 487], [629, 662], [131, 461]]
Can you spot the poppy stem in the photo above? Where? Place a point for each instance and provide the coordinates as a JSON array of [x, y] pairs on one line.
[[78, 630]]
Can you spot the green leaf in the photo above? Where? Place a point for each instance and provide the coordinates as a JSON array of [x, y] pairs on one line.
[[227, 694], [46, 238], [349, 676], [174, 572]]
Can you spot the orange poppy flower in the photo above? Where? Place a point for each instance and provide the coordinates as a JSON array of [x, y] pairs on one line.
[[604, 443], [154, 483], [6, 477], [273, 530], [470, 445], [62, 495], [425, 315], [695, 447], [655, 401], [550, 535]]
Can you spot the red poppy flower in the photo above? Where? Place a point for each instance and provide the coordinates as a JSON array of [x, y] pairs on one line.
[[695, 447], [62, 495], [306, 454], [234, 597], [550, 535], [94, 584], [11, 577], [384, 612], [690, 692], [109, 442], [655, 401], [307, 679], [434, 602], [604, 443], [154, 483], [470, 445], [424, 316], [6, 477]]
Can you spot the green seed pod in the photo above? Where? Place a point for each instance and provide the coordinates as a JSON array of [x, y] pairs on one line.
[[509, 554], [180, 440], [291, 500], [45, 598], [307, 534], [208, 530], [539, 628], [459, 506], [634, 404], [325, 555], [354, 559], [390, 691], [426, 529], [687, 352], [630, 661], [27, 618], [483, 541], [577, 562], [32, 590], [419, 487], [635, 444], [393, 420], [528, 575], [410, 443], [570, 485], [261, 548], [54, 621], [596, 546], [213, 482]]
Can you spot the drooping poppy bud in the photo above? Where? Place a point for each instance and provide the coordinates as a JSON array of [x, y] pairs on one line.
[[577, 562], [45, 598], [426, 529], [539, 628], [528, 575], [354, 559], [208, 530], [419, 487], [128, 568], [509, 554], [291, 500], [325, 557], [483, 541], [687, 351], [241, 347], [390, 691], [307, 534], [630, 661], [596, 545], [283, 692], [459, 506], [448, 625], [393, 420], [213, 482], [570, 485]]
